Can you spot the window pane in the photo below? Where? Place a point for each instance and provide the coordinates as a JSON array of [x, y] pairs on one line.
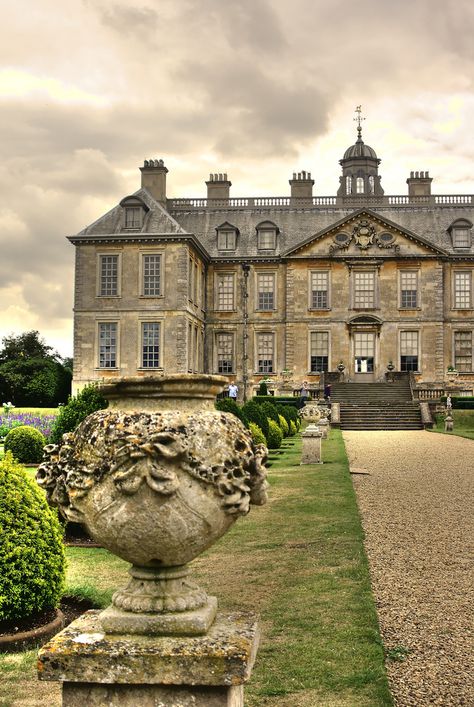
[[266, 291], [462, 290], [319, 290], [226, 240], [265, 353], [266, 239], [364, 344], [150, 344], [463, 350], [462, 238], [225, 292], [348, 185], [409, 351], [360, 185], [225, 353], [108, 275], [408, 290], [364, 290], [133, 217], [108, 345], [151, 275], [319, 353]]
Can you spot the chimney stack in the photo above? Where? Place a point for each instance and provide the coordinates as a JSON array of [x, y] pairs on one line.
[[154, 179], [302, 188], [419, 184], [218, 187]]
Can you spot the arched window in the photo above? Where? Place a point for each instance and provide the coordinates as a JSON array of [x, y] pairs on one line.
[[371, 184], [266, 235], [360, 185], [348, 185], [134, 211]]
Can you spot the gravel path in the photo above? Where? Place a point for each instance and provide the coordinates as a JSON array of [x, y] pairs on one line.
[[417, 511]]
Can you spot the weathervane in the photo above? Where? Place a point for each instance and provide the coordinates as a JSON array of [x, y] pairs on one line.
[[359, 119]]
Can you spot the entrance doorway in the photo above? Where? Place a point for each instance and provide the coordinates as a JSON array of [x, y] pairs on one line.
[[364, 355]]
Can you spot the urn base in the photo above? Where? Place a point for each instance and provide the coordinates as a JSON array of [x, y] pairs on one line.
[[183, 623]]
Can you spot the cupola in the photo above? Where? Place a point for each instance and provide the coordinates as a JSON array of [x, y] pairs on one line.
[[360, 178]]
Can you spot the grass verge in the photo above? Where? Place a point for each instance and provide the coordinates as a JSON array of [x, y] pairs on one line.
[[299, 562], [463, 423]]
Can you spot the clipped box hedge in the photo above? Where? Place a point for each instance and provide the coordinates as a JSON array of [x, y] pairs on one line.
[[463, 402]]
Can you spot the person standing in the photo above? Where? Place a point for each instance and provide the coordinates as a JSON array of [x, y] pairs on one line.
[[233, 391], [304, 394]]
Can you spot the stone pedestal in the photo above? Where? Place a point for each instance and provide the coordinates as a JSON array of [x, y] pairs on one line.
[[311, 453], [324, 426], [121, 670]]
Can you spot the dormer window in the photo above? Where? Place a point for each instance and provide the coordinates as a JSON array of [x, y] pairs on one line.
[[134, 211], [461, 234], [266, 235], [227, 237]]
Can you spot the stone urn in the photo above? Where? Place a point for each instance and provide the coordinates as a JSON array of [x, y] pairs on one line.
[[310, 413], [156, 479]]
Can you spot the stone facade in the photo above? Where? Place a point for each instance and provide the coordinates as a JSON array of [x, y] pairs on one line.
[[281, 288]]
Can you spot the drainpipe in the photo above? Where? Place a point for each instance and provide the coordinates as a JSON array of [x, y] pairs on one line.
[[245, 312]]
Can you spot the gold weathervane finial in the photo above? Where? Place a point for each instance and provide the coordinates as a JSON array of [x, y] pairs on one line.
[[359, 120]]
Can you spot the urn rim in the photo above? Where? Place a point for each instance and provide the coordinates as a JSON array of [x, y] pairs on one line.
[[173, 386]]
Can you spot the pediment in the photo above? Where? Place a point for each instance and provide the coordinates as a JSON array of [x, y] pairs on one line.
[[364, 233]]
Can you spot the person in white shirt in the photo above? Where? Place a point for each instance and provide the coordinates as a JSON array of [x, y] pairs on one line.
[[233, 391]]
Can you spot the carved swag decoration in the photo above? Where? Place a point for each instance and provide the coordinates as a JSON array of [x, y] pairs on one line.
[[152, 449]]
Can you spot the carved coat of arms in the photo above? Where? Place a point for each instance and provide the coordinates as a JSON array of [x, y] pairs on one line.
[[363, 233]]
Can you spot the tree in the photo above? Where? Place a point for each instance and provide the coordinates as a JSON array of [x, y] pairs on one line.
[[27, 345], [32, 373]]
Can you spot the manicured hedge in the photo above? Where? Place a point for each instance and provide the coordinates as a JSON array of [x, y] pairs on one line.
[[464, 402], [277, 400], [32, 563]]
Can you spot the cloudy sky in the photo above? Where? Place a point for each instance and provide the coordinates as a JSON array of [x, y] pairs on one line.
[[255, 88]]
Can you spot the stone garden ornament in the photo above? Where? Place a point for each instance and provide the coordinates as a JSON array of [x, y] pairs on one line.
[[156, 479]]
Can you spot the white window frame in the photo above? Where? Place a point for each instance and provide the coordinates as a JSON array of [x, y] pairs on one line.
[[219, 276], [455, 290], [311, 276], [314, 332], [272, 334], [348, 185], [161, 256], [99, 324], [141, 324], [99, 281], [401, 273], [360, 186], [261, 274]]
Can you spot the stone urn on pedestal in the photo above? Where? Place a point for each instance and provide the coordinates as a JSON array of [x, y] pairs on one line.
[[156, 479]]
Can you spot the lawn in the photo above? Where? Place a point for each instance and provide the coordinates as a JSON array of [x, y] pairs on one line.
[[299, 562], [463, 423]]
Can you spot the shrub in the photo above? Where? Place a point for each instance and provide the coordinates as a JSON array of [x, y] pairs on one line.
[[289, 401], [262, 388], [257, 434], [284, 410], [283, 426], [32, 563], [229, 405], [78, 407], [26, 444], [253, 413], [275, 435], [293, 429], [270, 411]]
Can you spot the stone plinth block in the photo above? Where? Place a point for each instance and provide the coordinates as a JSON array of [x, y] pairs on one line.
[[323, 426], [311, 452], [125, 670]]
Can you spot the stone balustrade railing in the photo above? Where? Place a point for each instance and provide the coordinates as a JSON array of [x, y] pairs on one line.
[[447, 200]]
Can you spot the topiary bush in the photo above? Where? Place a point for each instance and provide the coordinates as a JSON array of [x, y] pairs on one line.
[[269, 409], [32, 564], [293, 429], [262, 388], [229, 405], [257, 434], [78, 407], [253, 413], [283, 426], [26, 444], [275, 435]]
